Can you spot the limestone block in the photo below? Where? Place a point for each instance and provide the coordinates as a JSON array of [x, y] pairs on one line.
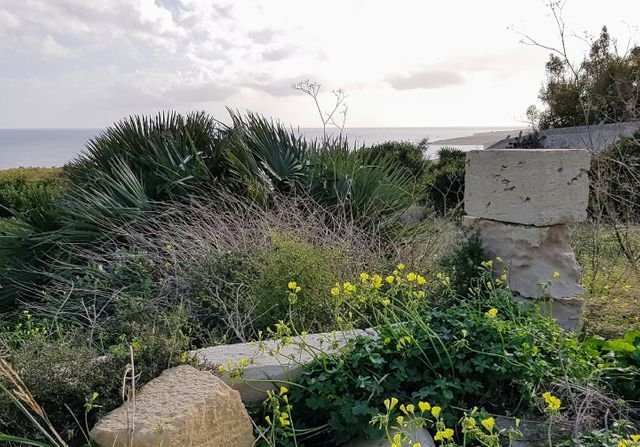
[[181, 407], [419, 435], [267, 363], [527, 186], [532, 255]]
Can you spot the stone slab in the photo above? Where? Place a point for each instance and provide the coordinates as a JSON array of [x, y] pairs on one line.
[[265, 365], [181, 407], [417, 435], [528, 186]]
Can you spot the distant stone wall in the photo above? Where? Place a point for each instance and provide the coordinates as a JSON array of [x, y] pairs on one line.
[[594, 138]]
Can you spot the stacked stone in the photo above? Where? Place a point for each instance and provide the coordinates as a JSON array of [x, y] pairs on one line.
[[521, 201]]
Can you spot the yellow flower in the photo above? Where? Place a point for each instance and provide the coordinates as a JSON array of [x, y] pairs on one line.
[[221, 369], [421, 280], [385, 303], [400, 420], [284, 419], [268, 419], [364, 277], [410, 408], [390, 279], [488, 423], [397, 440], [417, 444], [292, 285], [283, 390], [441, 435], [420, 294], [401, 266], [335, 291], [435, 411], [635, 439], [390, 404], [411, 277], [376, 280], [424, 406], [556, 275], [553, 403], [623, 443], [491, 313]]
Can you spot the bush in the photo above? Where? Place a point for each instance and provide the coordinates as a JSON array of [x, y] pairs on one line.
[[445, 181], [406, 153], [313, 268], [29, 193]]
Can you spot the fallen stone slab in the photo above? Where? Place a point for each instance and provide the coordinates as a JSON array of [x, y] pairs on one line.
[[528, 186], [181, 407], [254, 368], [419, 435]]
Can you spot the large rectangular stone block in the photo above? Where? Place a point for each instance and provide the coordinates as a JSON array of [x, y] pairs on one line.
[[528, 186]]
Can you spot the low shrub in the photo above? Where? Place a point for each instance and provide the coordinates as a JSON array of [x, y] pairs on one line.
[[29, 193], [312, 268], [488, 353]]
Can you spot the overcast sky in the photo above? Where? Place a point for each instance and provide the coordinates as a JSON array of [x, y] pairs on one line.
[[87, 63]]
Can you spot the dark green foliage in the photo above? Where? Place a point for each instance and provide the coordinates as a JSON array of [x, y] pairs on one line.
[[621, 358], [458, 358], [463, 265], [369, 188], [406, 153], [532, 140], [445, 181], [603, 88]]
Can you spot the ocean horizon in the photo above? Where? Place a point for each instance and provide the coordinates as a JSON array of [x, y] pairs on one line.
[[56, 147]]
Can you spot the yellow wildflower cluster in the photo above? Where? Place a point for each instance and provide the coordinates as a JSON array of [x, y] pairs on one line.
[[553, 403], [294, 287], [632, 441], [491, 313]]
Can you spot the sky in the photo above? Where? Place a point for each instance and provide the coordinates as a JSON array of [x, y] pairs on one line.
[[88, 63]]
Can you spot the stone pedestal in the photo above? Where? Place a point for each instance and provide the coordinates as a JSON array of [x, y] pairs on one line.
[[520, 202]]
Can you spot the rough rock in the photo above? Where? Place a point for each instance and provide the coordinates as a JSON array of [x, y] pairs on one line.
[[182, 407], [418, 435], [532, 255], [264, 365], [528, 186]]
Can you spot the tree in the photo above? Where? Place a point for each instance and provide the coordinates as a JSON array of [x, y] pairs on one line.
[[603, 88]]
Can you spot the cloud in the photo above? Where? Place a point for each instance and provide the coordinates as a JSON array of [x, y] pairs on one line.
[[198, 93], [426, 79], [263, 36], [277, 54]]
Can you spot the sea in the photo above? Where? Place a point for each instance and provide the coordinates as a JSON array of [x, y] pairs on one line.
[[56, 147]]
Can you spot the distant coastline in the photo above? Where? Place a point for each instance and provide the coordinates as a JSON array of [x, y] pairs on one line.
[[56, 147]]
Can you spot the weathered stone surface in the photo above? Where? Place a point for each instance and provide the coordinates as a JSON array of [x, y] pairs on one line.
[[269, 362], [527, 186], [182, 407], [419, 435], [532, 255]]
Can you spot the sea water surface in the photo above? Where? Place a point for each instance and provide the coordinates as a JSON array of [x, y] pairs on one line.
[[56, 147]]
